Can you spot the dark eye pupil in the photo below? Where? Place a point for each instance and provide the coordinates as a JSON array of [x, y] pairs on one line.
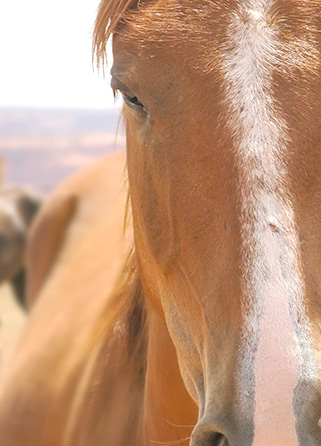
[[133, 100]]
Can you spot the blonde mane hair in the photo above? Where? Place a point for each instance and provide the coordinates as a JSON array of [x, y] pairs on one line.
[[110, 14]]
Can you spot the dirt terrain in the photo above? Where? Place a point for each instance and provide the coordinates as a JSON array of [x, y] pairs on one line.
[[11, 326]]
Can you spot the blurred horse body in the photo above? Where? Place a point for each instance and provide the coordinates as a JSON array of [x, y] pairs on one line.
[[211, 336], [83, 218]]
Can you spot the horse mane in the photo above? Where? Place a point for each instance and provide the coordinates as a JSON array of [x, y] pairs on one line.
[[128, 304], [116, 358], [110, 14], [122, 326]]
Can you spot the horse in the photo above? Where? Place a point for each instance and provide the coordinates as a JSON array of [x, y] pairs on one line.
[[211, 334], [18, 208]]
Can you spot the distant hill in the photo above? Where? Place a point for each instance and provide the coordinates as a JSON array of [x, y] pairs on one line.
[[42, 147]]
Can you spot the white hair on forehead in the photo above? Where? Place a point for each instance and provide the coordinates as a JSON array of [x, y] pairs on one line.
[[277, 331]]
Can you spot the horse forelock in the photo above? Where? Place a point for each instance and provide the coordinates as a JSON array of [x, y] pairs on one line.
[[158, 21], [110, 13]]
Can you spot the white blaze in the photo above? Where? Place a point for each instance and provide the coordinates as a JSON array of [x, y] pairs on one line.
[[278, 358], [273, 289]]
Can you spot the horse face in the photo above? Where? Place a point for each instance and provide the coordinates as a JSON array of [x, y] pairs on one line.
[[17, 209], [12, 242], [224, 191]]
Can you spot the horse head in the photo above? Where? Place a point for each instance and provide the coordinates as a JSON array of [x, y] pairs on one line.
[[222, 111]]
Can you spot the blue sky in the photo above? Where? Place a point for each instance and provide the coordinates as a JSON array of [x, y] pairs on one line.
[[45, 55]]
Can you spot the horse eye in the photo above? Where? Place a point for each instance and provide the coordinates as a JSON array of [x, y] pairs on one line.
[[133, 101]]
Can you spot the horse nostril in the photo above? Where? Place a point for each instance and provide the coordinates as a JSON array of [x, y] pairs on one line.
[[217, 439], [207, 436]]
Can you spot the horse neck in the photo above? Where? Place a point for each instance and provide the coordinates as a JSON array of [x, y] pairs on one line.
[[169, 411]]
